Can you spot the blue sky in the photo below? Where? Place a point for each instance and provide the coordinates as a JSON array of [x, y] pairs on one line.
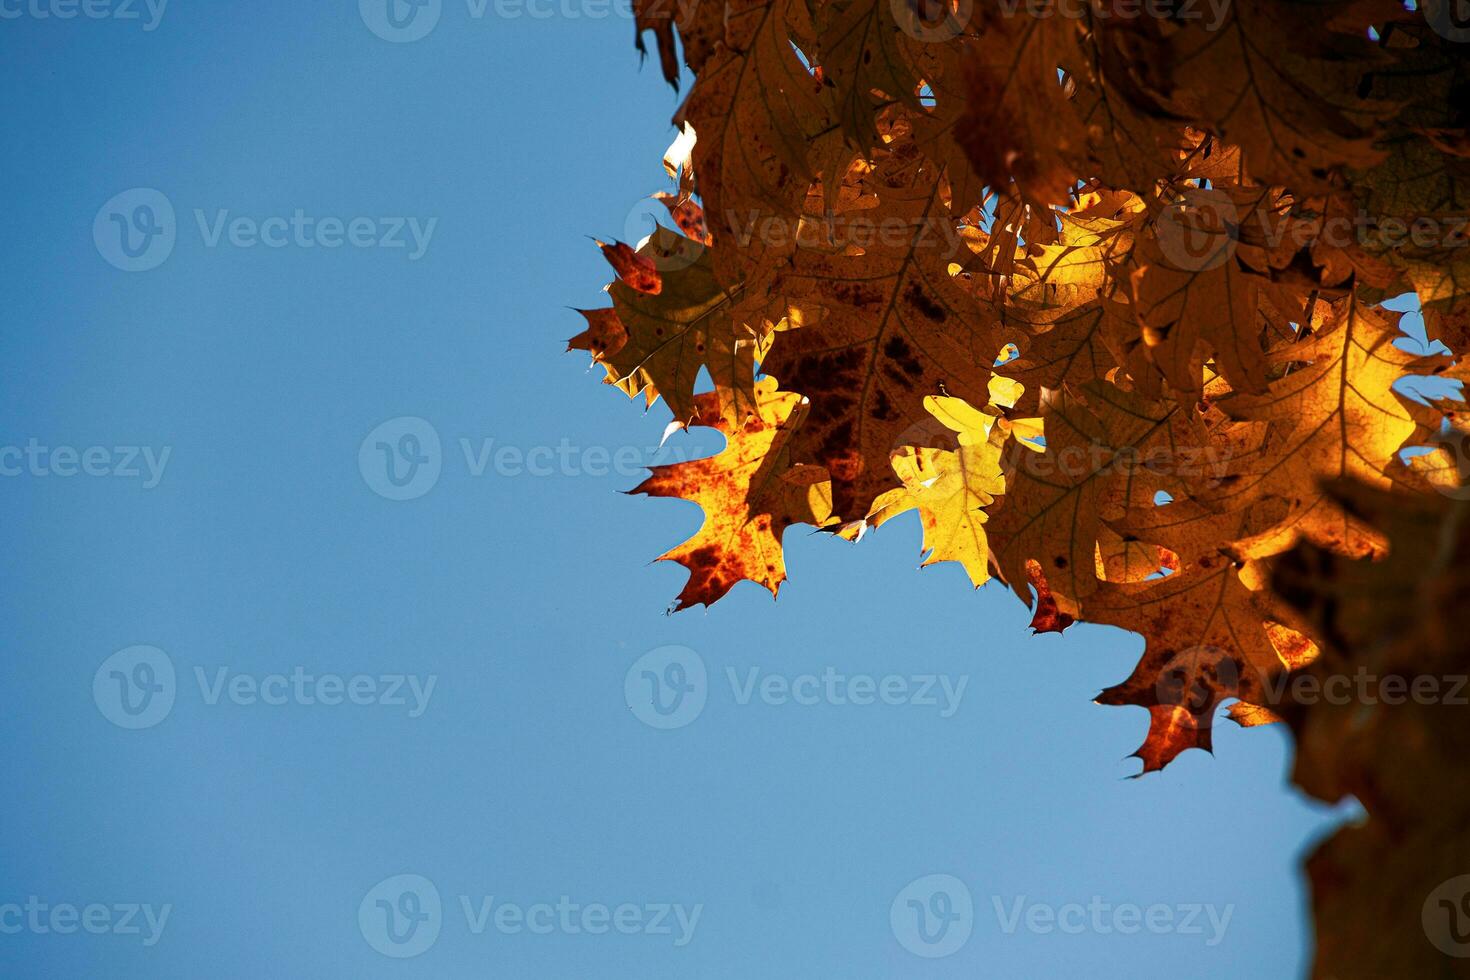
[[365, 688]]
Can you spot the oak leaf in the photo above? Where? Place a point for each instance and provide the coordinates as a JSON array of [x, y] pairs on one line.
[[750, 493], [656, 343]]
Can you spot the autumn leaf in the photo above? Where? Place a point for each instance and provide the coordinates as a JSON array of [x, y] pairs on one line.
[[636, 270], [880, 331], [950, 487], [867, 60], [1102, 299], [687, 214], [1106, 450], [656, 343], [1334, 415], [763, 130], [1020, 124], [1292, 81], [750, 494], [1192, 307], [1206, 641]]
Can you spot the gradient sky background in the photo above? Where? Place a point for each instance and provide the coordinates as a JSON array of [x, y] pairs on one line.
[[263, 548]]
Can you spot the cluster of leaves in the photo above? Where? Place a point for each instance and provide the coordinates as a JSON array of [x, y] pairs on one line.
[[1100, 296]]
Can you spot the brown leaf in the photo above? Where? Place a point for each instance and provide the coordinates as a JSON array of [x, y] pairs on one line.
[[750, 494]]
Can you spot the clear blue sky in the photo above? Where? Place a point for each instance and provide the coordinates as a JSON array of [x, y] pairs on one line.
[[265, 545]]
